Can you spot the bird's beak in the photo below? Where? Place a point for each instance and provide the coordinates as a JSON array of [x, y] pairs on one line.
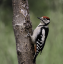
[[39, 18]]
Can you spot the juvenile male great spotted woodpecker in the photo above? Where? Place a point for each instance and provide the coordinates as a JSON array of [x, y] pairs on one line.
[[40, 34]]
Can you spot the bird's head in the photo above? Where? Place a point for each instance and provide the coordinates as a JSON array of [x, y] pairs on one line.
[[44, 20]]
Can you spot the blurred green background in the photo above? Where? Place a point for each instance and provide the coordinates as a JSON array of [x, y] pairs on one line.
[[53, 50]]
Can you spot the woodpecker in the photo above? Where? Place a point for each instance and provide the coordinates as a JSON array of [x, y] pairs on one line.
[[40, 34]]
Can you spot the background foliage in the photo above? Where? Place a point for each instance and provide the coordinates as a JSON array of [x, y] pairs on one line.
[[53, 50]]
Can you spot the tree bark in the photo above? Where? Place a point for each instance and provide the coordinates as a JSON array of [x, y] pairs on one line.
[[21, 25]]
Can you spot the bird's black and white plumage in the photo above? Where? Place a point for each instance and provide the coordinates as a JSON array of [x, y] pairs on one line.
[[40, 34]]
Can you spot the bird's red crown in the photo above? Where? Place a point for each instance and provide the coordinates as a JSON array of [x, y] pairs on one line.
[[46, 17]]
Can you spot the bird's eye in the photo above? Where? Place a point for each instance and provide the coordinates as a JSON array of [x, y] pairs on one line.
[[45, 19]]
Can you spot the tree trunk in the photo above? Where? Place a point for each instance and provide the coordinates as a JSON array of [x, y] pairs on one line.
[[21, 25]]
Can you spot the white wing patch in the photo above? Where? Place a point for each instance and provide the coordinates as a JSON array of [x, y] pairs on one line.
[[43, 36]]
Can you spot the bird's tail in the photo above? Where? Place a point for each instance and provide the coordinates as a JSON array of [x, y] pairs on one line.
[[35, 57]]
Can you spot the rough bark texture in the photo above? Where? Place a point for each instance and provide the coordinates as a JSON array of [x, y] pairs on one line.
[[21, 25]]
